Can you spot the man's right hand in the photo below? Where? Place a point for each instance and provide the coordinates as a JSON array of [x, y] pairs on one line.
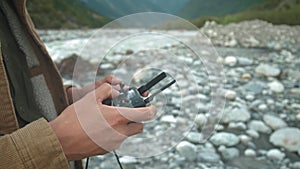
[[88, 127]]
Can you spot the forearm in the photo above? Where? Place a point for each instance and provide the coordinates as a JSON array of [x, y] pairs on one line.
[[34, 146]]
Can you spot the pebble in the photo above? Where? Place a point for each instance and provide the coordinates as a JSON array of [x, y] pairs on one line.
[[208, 156], [249, 153], [288, 138], [230, 61], [252, 133], [239, 125], [187, 150], [246, 76], [224, 138], [230, 94], [229, 153], [259, 126], [296, 165], [276, 87], [275, 154], [267, 70], [128, 160], [262, 107], [194, 137], [250, 97], [242, 61], [200, 120], [235, 115], [298, 116], [274, 122], [168, 119]]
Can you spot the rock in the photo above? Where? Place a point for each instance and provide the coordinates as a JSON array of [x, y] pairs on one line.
[[246, 76], [259, 126], [253, 133], [274, 122], [295, 91], [254, 86], [106, 66], [208, 156], [230, 61], [262, 107], [223, 138], [275, 154], [242, 61], [250, 97], [244, 139], [276, 87], [128, 160], [235, 115], [298, 116], [129, 52], [200, 120], [267, 70], [194, 137], [168, 119], [230, 94], [249, 153], [296, 165], [238, 125], [229, 153], [288, 138], [187, 150]]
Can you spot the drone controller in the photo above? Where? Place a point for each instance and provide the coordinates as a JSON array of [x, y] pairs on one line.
[[132, 97]]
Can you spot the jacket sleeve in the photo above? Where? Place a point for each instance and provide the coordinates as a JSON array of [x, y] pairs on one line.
[[34, 146]]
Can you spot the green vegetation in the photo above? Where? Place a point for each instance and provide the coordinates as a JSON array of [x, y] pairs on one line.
[[62, 14], [273, 11]]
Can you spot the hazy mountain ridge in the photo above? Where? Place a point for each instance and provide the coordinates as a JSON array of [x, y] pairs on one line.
[[67, 14]]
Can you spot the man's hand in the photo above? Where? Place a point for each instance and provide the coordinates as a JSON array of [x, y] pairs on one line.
[[88, 127], [75, 93]]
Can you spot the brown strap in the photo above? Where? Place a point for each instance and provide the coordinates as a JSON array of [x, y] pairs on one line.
[[8, 120]]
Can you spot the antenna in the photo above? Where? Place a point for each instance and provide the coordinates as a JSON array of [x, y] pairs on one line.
[[150, 98], [153, 82]]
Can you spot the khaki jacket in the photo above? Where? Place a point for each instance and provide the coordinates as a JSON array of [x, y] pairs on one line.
[[35, 145]]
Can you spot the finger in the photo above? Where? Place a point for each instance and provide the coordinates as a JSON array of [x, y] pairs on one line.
[[136, 114], [105, 91], [108, 79], [134, 128], [145, 94]]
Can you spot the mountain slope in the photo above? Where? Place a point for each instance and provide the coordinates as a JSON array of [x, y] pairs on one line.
[[119, 8], [58, 14], [273, 11], [198, 8]]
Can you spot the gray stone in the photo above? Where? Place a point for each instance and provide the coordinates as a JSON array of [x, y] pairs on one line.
[[229, 153], [276, 87], [259, 126], [187, 150], [242, 61], [223, 138], [253, 133], [200, 120], [168, 119], [267, 70], [274, 122], [208, 156], [275, 154], [230, 61], [254, 86], [249, 153], [288, 138], [235, 115], [128, 160], [230, 94], [194, 137], [295, 165]]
